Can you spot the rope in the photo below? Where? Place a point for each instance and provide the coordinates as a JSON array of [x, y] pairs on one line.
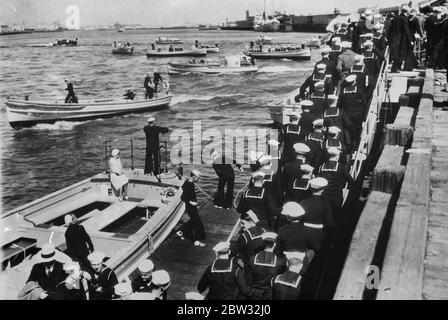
[[200, 189]]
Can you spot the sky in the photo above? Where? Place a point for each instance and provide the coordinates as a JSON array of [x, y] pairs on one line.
[[156, 13]]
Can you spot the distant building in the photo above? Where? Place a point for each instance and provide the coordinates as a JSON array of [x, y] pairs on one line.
[[247, 24]]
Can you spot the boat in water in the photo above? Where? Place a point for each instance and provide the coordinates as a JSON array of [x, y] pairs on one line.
[[25, 113], [264, 40], [122, 48], [168, 40], [66, 43], [314, 43], [211, 48], [293, 53], [232, 64], [175, 51], [125, 231]]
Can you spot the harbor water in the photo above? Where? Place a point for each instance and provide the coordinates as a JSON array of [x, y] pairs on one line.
[[39, 160]]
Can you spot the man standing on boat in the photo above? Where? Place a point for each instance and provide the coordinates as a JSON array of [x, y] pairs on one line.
[[147, 84], [70, 98], [78, 241], [152, 146], [157, 79]]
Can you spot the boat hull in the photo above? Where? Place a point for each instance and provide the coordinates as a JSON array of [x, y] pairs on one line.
[[123, 50], [212, 50], [214, 70], [293, 55], [28, 113], [169, 42], [167, 54]]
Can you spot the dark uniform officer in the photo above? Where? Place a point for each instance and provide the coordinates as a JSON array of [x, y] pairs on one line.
[[226, 175], [249, 242], [143, 283], [78, 241], [224, 278], [301, 185], [319, 99], [318, 75], [337, 175], [286, 286], [257, 199], [315, 142], [103, 279], [152, 146], [292, 168], [264, 266], [353, 101]]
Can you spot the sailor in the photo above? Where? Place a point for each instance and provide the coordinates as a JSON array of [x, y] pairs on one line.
[[315, 142], [78, 242], [292, 133], [129, 95], [292, 168], [362, 74], [335, 140], [147, 84], [301, 186], [337, 176], [317, 219], [157, 79], [161, 282], [336, 49], [343, 32], [102, 278], [272, 178], [249, 241], [379, 40], [346, 60], [75, 286], [372, 62], [48, 272], [329, 63], [353, 101], [287, 286], [318, 75], [257, 199], [123, 291], [194, 228], [264, 266], [307, 118], [336, 117], [143, 283], [223, 168], [118, 179], [224, 278], [294, 236], [152, 146], [71, 97], [319, 99]]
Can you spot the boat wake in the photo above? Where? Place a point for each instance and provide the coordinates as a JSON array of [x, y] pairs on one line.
[[281, 69], [186, 98], [58, 126]]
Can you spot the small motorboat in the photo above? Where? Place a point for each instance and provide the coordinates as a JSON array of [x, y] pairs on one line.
[[125, 231], [25, 113], [293, 53], [280, 109], [314, 43], [232, 64], [264, 40], [193, 63], [177, 51], [210, 48], [66, 43], [168, 40], [122, 48]]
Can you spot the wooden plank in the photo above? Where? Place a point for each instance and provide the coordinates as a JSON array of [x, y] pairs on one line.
[[397, 135], [414, 94], [352, 281], [388, 172], [398, 86]]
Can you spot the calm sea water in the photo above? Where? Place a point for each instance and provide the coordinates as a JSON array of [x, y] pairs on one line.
[[45, 158]]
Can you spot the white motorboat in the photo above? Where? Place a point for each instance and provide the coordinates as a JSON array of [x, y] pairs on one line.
[[232, 64], [175, 52], [168, 40], [281, 53]]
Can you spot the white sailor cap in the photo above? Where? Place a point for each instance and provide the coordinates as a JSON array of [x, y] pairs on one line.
[[368, 44], [336, 40], [351, 78], [273, 142], [294, 255], [222, 247], [194, 296], [151, 119], [346, 44], [269, 236], [378, 26], [318, 183], [146, 266], [321, 66], [306, 103], [258, 174], [67, 80], [292, 209], [265, 161], [334, 130], [331, 98], [333, 151], [196, 173], [318, 122], [306, 168], [68, 218], [123, 289], [319, 85], [250, 215], [160, 278], [325, 51], [301, 148], [359, 58], [114, 152], [96, 257], [71, 266], [368, 12]]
